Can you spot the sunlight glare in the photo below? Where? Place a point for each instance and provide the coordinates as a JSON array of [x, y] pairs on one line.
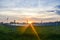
[[29, 24]]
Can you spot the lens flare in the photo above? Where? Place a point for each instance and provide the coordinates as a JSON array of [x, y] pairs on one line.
[[34, 31], [29, 24]]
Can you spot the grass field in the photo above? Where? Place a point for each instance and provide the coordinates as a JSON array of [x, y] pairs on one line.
[[15, 33]]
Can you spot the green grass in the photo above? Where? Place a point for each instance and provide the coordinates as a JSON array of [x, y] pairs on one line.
[[44, 32], [40, 30]]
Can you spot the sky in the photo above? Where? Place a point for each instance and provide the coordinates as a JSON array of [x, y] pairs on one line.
[[37, 10]]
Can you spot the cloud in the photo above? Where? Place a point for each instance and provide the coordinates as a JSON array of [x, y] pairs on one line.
[[18, 3], [27, 3], [30, 8], [58, 12], [57, 9], [51, 11], [35, 14]]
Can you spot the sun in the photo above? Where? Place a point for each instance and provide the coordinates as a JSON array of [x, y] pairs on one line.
[[30, 25], [29, 22]]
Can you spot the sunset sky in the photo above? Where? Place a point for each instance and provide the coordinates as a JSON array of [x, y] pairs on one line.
[[37, 10]]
